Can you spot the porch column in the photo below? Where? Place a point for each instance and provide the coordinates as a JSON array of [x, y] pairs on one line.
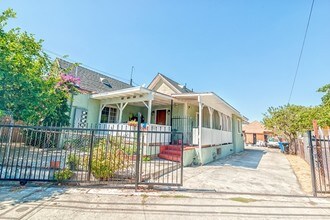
[[100, 112], [121, 108], [200, 114], [149, 110], [211, 110], [186, 109]]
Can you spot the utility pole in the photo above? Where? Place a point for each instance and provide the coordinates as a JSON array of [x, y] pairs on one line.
[[131, 81]]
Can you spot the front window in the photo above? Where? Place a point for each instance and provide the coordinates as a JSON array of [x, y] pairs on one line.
[[109, 115]]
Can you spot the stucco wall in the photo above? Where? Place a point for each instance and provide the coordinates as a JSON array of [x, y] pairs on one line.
[[91, 105], [238, 139], [210, 154]]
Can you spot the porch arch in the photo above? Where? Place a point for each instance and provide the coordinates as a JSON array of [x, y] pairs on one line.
[[216, 120], [206, 117]]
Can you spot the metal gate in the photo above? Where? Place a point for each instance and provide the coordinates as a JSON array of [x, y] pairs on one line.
[[184, 125], [319, 151], [121, 155]]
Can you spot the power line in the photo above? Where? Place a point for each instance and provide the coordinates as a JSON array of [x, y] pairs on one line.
[[84, 65], [301, 51]]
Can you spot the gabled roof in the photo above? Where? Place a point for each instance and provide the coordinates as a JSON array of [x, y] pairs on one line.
[[175, 85], [92, 81], [255, 127]]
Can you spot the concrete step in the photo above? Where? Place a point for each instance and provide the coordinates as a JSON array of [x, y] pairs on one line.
[[172, 152], [170, 157]]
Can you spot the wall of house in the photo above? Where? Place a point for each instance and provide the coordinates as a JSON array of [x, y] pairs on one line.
[[213, 153], [178, 110], [238, 139], [85, 102], [192, 110]]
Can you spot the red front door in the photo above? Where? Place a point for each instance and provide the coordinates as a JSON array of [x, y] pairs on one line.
[[161, 117]]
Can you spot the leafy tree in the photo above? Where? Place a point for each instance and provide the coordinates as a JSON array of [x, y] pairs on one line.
[[31, 88], [323, 110], [325, 89], [288, 120]]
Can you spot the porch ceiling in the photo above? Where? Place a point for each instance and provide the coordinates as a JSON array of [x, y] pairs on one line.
[[209, 99], [133, 96]]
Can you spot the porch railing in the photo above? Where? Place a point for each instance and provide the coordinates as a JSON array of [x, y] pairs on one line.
[[124, 130], [212, 136]]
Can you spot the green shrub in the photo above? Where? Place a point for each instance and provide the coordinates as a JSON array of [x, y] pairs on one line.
[[108, 157], [63, 175], [73, 161]]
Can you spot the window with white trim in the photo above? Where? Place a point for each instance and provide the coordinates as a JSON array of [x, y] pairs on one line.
[[109, 115]]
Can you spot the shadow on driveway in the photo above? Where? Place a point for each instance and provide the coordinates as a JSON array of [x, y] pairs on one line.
[[11, 192], [250, 159]]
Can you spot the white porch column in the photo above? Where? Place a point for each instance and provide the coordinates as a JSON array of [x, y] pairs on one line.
[[149, 111], [200, 114], [211, 110], [100, 112], [185, 109], [149, 105], [121, 108]]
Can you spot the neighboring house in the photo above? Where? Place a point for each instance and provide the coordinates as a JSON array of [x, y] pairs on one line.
[[256, 131], [212, 127]]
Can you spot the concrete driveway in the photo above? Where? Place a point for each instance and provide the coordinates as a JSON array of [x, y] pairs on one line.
[[256, 170]]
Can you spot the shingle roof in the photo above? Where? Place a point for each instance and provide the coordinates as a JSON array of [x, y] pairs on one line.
[[91, 80], [182, 89]]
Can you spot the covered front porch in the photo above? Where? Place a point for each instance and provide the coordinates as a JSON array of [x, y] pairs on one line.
[[213, 119], [119, 111]]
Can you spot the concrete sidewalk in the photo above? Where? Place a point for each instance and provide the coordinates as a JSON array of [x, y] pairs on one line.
[[256, 184], [105, 203]]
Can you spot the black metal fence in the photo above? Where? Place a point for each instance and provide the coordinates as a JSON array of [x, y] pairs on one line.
[[319, 151], [184, 125], [127, 155]]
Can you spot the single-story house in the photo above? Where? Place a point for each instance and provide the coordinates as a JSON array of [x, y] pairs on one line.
[[255, 132], [212, 127]]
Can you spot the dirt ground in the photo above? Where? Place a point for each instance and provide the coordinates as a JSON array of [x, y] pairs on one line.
[[302, 171]]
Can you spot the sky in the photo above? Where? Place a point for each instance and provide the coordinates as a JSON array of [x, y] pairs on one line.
[[246, 51]]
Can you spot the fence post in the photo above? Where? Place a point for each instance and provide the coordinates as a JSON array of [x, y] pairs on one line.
[[90, 157], [182, 150], [138, 147], [311, 159]]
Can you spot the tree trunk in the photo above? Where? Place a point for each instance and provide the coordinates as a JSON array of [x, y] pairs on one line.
[[292, 146]]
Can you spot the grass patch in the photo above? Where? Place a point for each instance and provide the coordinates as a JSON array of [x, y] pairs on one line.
[[244, 200]]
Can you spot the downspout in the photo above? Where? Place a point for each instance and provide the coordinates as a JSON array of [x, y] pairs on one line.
[[200, 112]]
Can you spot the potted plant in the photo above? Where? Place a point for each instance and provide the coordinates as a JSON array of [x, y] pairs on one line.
[[55, 164]]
